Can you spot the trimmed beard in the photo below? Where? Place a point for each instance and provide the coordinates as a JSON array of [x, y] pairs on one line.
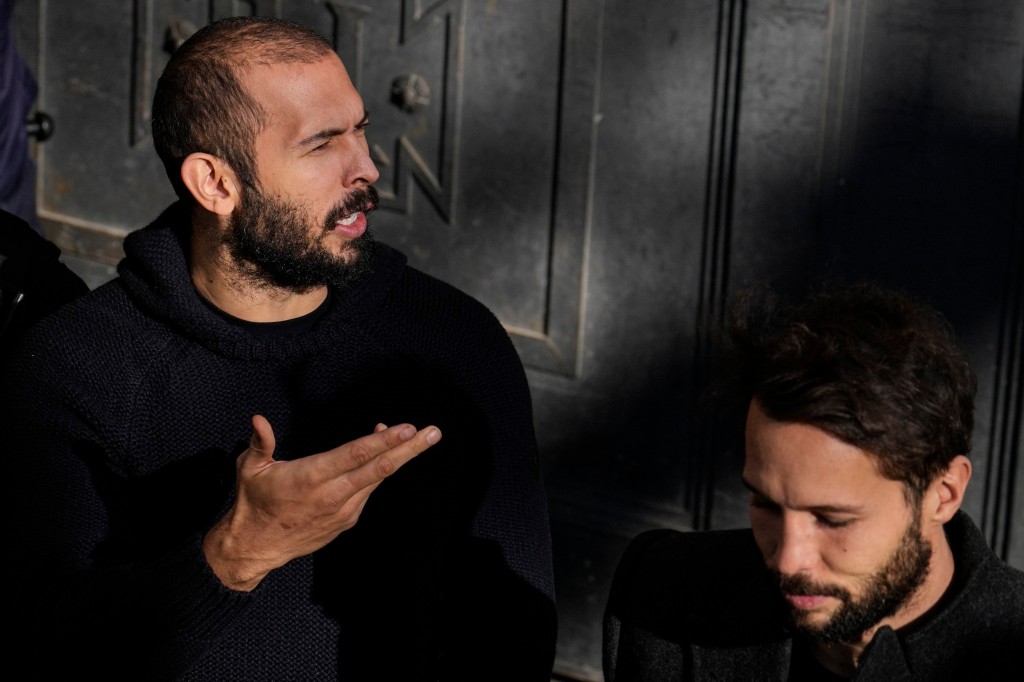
[[269, 240], [888, 590]]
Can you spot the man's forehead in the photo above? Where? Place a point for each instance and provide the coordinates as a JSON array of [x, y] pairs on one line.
[[325, 78], [302, 100], [808, 466], [820, 499]]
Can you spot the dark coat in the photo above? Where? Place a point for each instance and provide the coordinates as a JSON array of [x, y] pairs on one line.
[[33, 281], [701, 606]]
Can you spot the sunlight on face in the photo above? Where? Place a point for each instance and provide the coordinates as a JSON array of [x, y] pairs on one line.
[[305, 223], [844, 544], [280, 243]]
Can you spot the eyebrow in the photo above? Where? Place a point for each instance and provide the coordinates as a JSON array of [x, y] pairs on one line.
[[829, 508], [326, 134]]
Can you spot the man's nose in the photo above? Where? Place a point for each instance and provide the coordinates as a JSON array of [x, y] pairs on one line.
[[360, 170], [796, 549]]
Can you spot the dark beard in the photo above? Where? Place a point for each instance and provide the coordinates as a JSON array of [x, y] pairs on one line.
[[889, 589], [269, 240]]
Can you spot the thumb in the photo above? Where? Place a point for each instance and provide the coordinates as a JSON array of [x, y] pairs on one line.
[[262, 443]]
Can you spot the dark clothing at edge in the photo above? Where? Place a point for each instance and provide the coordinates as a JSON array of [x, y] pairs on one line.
[[122, 421], [701, 606]]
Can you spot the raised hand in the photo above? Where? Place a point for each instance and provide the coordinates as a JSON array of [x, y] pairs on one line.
[[287, 509]]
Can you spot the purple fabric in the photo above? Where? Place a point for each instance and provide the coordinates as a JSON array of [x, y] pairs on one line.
[[18, 90]]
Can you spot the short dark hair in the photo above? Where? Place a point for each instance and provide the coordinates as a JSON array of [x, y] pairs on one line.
[[868, 364], [200, 104]]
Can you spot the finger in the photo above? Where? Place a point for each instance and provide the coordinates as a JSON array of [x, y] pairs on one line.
[[363, 450], [356, 453], [379, 467], [379, 427]]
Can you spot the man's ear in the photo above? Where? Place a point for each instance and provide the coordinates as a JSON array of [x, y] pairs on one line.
[[211, 182], [946, 493]]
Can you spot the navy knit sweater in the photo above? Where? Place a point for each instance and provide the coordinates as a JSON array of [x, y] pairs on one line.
[[121, 423]]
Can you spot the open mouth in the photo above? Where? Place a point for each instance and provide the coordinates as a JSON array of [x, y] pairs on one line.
[[350, 218]]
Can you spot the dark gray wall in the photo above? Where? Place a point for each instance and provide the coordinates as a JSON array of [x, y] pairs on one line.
[[602, 174]]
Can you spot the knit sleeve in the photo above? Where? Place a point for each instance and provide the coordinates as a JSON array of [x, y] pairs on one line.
[[86, 594], [503, 589], [511, 527]]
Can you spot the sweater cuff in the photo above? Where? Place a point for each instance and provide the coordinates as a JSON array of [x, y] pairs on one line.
[[200, 606]]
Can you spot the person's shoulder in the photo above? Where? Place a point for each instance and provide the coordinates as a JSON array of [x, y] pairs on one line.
[[977, 633], [417, 314], [984, 578], [665, 553], [431, 292], [668, 579], [980, 622], [409, 286], [100, 328], [420, 305], [994, 597], [97, 309]]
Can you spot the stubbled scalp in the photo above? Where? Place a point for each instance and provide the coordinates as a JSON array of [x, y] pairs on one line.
[[200, 104]]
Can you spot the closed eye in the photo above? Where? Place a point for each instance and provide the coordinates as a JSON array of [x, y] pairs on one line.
[[360, 128], [829, 522]]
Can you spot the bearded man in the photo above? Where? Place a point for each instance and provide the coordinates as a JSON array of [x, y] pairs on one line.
[[212, 467], [859, 563]]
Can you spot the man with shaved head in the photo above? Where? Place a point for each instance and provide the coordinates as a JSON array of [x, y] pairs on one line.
[[228, 463]]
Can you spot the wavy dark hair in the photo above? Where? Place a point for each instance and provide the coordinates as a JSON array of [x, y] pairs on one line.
[[200, 104], [871, 365]]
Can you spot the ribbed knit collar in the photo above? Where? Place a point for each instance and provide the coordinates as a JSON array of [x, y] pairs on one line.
[[154, 272]]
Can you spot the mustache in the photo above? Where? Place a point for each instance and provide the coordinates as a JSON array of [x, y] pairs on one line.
[[363, 199], [803, 586]]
